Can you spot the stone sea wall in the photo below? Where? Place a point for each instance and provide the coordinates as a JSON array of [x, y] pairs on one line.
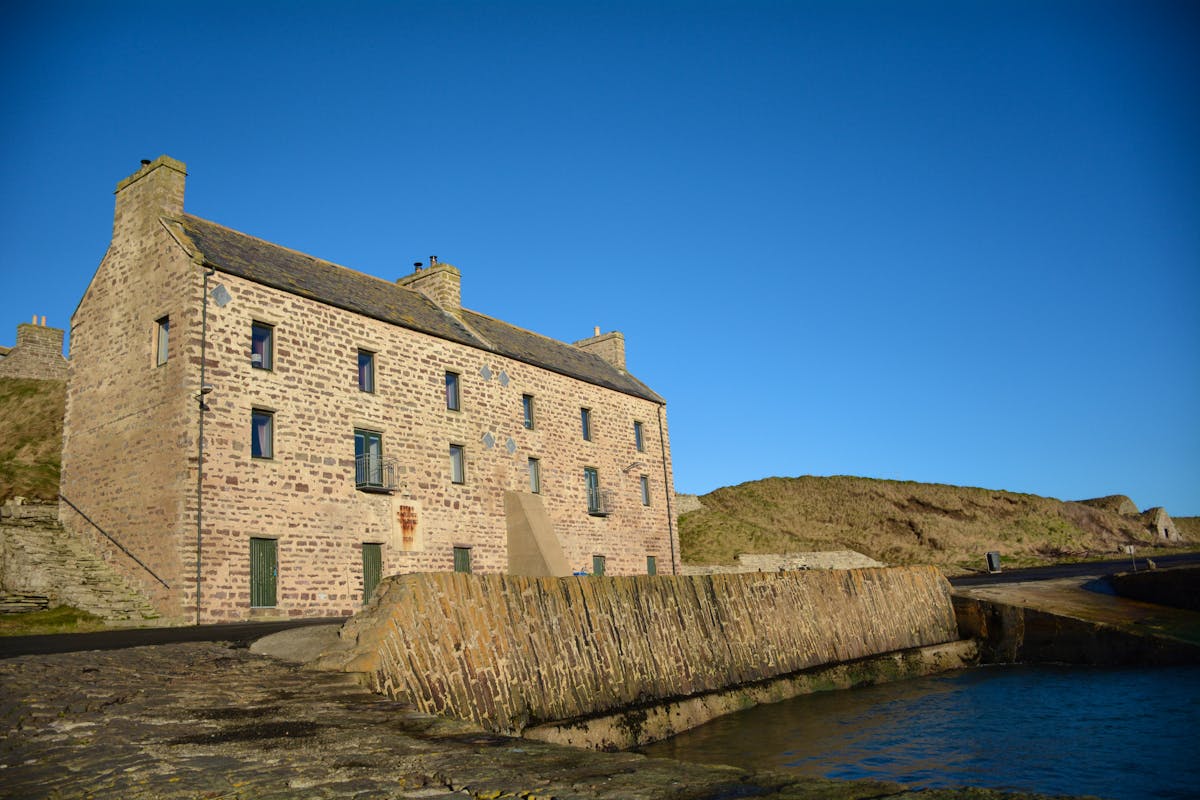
[[510, 652]]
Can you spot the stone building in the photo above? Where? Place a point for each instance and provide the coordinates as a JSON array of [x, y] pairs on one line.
[[351, 427], [37, 353]]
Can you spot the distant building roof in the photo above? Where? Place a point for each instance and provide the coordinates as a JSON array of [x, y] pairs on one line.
[[296, 273]]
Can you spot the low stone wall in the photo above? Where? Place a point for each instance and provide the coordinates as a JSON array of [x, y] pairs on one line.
[[508, 652], [1174, 586], [644, 724], [777, 562]]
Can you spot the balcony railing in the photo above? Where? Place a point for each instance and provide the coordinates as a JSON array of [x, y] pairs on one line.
[[599, 502], [374, 474]]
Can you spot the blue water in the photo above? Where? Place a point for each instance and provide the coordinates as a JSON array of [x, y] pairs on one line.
[[1125, 734]]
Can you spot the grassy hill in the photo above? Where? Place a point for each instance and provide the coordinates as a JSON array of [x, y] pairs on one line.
[[31, 424], [900, 522]]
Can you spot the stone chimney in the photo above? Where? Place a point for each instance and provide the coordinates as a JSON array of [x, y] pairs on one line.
[[441, 283], [609, 346], [155, 190], [37, 353]]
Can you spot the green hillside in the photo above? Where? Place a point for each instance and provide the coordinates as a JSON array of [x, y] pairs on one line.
[[31, 424], [900, 522]]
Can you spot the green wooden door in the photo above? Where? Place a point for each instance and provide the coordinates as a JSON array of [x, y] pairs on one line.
[[372, 569], [462, 559], [264, 571], [597, 565]]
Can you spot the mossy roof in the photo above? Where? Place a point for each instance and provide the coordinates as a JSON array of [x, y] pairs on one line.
[[297, 273]]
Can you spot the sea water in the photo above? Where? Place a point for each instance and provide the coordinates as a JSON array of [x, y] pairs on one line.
[[1124, 734]]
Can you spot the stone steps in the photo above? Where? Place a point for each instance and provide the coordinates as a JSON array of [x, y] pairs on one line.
[[41, 558]]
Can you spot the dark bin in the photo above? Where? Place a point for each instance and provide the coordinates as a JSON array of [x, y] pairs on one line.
[[993, 561]]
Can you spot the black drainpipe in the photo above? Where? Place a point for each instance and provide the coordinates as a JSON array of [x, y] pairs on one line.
[[662, 441], [200, 438]]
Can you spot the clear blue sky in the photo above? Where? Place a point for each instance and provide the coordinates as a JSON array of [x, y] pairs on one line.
[[955, 242]]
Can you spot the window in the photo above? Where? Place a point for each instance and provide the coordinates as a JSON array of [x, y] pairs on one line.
[[262, 346], [637, 437], [458, 464], [535, 476], [264, 572], [262, 433], [366, 371], [651, 565], [591, 479], [585, 419], [160, 352], [527, 405], [645, 485], [453, 398], [598, 565], [368, 459], [462, 559]]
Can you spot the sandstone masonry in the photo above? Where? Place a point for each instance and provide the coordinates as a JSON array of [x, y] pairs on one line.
[[37, 353], [352, 427]]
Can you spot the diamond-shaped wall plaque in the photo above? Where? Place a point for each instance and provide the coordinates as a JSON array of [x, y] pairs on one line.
[[503, 378], [485, 372], [489, 440], [510, 446]]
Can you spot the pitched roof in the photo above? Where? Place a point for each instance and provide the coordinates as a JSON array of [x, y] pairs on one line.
[[294, 272]]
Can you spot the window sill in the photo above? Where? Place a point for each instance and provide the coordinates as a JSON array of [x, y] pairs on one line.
[[597, 513]]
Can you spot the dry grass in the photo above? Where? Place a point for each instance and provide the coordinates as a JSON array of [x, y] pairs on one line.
[[900, 522], [31, 423], [1188, 527], [63, 619]]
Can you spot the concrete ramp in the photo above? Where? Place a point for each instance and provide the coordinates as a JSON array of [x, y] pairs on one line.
[[533, 548]]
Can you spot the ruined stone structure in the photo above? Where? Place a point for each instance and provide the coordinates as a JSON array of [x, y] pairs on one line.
[[510, 652], [352, 427], [1160, 524], [38, 353]]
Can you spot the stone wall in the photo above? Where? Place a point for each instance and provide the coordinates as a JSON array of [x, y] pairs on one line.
[[782, 562], [509, 652], [37, 354], [49, 567], [1174, 586]]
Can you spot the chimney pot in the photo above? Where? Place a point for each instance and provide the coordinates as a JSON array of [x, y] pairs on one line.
[[596, 331], [145, 162], [43, 320]]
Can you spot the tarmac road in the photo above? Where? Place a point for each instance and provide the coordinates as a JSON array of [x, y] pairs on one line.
[[1092, 568], [237, 633]]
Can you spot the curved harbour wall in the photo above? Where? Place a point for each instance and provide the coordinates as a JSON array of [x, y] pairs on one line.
[[510, 652]]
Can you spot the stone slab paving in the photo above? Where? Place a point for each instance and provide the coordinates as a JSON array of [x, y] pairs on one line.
[[209, 720]]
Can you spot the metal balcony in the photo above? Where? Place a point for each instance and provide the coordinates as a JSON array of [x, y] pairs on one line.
[[599, 502], [374, 474]]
